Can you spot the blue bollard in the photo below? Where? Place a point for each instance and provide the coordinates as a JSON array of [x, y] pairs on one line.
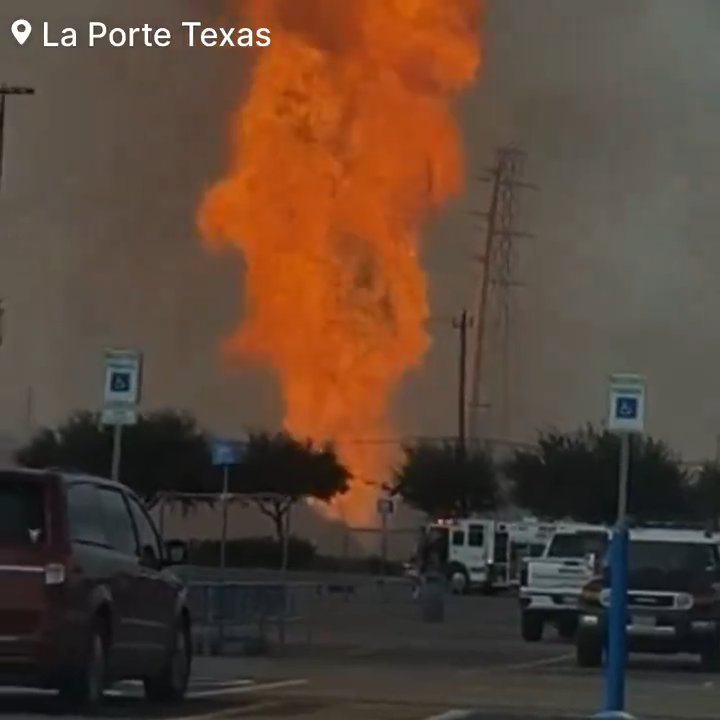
[[617, 623]]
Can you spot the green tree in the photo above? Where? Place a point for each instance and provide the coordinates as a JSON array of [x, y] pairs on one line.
[[286, 470], [442, 481], [705, 492], [575, 475], [162, 452]]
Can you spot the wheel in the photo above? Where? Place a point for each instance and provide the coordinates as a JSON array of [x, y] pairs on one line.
[[710, 658], [459, 579], [567, 627], [532, 626], [171, 684], [84, 689], [588, 651]]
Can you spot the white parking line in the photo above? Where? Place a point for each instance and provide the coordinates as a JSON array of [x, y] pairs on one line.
[[244, 688], [554, 660], [528, 665], [234, 712], [453, 715]]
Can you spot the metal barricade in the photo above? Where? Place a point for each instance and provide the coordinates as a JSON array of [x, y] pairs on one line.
[[246, 612]]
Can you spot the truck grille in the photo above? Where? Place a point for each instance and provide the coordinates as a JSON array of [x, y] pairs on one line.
[[650, 601]]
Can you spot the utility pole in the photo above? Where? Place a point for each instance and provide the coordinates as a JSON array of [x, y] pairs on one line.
[[497, 258], [6, 90], [462, 324]]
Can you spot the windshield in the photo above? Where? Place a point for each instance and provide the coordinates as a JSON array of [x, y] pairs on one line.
[[22, 514], [692, 557], [577, 544]]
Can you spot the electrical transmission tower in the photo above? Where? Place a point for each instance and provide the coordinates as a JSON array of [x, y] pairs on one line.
[[498, 258]]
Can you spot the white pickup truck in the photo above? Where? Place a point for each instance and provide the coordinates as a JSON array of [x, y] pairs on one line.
[[550, 585]]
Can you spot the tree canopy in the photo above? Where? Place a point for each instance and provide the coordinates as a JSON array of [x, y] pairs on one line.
[[164, 451], [575, 475], [280, 464], [705, 492], [442, 481]]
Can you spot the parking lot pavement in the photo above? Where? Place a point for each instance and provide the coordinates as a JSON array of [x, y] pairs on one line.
[[379, 661], [370, 660], [207, 697]]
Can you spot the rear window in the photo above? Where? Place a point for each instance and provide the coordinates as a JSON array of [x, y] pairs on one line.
[[673, 556], [578, 544], [22, 512]]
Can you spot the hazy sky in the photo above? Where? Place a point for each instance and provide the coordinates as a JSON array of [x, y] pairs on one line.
[[615, 102]]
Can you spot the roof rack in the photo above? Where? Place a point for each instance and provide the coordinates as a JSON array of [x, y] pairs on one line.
[[675, 524], [709, 527]]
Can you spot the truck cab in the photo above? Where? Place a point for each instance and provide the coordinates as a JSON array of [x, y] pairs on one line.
[[673, 597], [550, 585]]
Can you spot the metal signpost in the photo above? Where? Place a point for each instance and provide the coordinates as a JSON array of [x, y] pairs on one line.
[[626, 417], [385, 508], [121, 397], [225, 453]]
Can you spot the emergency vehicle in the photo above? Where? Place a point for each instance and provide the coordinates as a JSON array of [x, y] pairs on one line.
[[481, 552]]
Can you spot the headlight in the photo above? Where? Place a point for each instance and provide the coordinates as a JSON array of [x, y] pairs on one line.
[[684, 601], [605, 597]]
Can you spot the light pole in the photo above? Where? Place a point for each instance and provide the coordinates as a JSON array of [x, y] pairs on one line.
[[6, 90]]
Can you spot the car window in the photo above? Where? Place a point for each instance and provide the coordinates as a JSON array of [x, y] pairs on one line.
[[577, 544], [476, 536], [692, 557], [118, 522], [85, 515], [458, 537], [148, 539], [22, 512]]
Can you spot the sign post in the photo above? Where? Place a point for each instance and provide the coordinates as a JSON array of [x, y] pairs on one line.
[[225, 453], [121, 397], [385, 508], [627, 418]]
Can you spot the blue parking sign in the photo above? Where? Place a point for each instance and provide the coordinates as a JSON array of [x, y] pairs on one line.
[[120, 382], [626, 407], [227, 452]]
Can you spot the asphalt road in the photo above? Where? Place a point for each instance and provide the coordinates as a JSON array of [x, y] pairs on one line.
[[370, 656]]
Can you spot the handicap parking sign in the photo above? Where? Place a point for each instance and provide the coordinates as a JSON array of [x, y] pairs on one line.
[[627, 404], [626, 407], [120, 382]]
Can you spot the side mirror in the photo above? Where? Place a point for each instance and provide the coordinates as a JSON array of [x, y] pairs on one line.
[[176, 552]]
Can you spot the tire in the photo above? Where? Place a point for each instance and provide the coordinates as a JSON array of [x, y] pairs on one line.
[[84, 689], [458, 579], [531, 626], [567, 627], [710, 658], [171, 684], [588, 651]]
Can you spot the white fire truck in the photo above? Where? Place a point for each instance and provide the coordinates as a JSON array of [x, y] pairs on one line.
[[483, 553]]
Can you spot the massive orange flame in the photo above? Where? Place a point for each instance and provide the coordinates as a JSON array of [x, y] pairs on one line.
[[344, 145]]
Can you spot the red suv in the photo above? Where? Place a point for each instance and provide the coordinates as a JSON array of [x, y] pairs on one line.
[[87, 594]]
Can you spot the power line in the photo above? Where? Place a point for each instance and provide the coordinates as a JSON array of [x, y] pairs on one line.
[[498, 258], [461, 324]]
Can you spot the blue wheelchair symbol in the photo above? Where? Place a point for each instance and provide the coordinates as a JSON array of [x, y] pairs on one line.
[[120, 382], [626, 408]]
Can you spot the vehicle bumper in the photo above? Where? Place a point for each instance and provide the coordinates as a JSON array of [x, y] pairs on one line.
[[39, 659], [556, 604], [656, 634]]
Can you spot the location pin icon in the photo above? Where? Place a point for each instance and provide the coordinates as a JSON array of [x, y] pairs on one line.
[[21, 29]]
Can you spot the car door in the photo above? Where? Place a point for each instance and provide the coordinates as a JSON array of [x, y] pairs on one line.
[[120, 531], [158, 590], [99, 567]]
